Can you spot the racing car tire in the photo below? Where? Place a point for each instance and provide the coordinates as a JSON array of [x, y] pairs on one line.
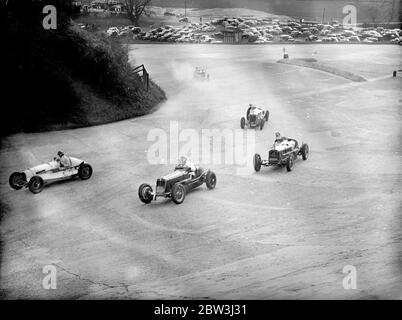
[[36, 184], [305, 151], [178, 193], [242, 123], [85, 171], [266, 115], [145, 196], [210, 180], [289, 163], [13, 177], [257, 162]]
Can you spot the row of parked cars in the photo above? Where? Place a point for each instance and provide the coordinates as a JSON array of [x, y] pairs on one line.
[[264, 30]]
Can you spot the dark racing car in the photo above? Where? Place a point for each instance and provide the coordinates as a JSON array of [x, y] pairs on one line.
[[255, 117], [177, 184], [282, 153]]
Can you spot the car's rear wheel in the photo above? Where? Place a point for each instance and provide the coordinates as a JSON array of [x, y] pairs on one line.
[[14, 180], [145, 193], [305, 151], [242, 123], [178, 193], [210, 180], [266, 115], [289, 163], [36, 184], [257, 162], [85, 171]]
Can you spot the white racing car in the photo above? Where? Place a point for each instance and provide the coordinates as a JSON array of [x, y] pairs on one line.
[[36, 177], [201, 74]]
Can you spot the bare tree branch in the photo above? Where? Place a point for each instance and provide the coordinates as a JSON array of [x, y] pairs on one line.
[[135, 9]]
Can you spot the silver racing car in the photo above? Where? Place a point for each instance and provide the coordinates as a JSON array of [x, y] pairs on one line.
[[37, 177]]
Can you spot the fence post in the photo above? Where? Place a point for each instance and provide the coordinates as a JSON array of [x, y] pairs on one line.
[[144, 76]]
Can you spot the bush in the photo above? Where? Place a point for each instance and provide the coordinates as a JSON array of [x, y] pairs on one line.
[[50, 76]]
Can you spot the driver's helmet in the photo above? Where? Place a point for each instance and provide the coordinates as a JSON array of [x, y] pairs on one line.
[[182, 160], [252, 106], [60, 154], [277, 135]]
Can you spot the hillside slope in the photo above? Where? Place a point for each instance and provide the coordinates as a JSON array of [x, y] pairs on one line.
[[67, 77]]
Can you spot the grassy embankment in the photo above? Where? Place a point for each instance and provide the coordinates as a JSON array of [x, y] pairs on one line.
[[314, 64], [65, 78]]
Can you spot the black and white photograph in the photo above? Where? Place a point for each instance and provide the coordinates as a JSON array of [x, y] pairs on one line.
[[180, 150]]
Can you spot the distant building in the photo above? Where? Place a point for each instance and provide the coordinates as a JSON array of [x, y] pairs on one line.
[[232, 36]]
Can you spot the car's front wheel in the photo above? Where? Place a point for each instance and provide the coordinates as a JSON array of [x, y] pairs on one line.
[[178, 193], [14, 180], [36, 184], [266, 115], [305, 151], [210, 180], [257, 162], [289, 163], [242, 123], [85, 171], [145, 193]]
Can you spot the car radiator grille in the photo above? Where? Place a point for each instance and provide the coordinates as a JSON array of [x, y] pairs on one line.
[[273, 156], [160, 186]]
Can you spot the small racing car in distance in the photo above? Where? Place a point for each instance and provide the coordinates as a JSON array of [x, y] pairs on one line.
[[200, 74], [177, 184], [255, 117], [37, 177], [282, 153]]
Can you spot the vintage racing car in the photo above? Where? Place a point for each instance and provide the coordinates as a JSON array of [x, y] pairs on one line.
[[37, 177], [200, 74], [255, 117], [283, 153], [176, 184]]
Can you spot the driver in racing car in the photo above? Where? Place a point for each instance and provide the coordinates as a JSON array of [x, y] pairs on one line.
[[250, 107], [188, 165], [65, 162], [279, 139]]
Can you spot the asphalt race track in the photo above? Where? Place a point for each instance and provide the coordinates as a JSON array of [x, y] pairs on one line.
[[267, 235]]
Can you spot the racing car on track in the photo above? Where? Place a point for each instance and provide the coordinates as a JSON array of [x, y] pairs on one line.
[[200, 74], [177, 184], [37, 177], [255, 117], [283, 152]]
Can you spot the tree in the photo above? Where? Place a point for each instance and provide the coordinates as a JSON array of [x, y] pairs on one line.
[[135, 9]]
